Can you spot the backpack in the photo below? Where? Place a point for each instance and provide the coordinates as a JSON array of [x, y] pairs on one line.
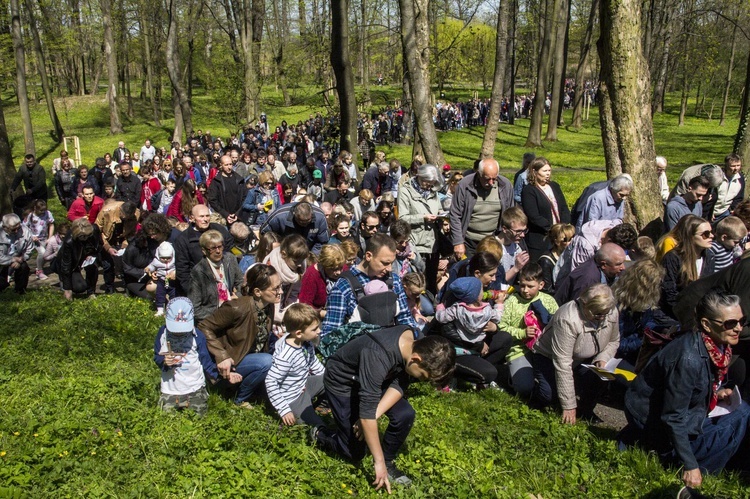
[[379, 308], [343, 335]]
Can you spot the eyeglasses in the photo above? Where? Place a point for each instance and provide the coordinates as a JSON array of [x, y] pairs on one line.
[[371, 227], [268, 184], [731, 323], [14, 229], [519, 232], [707, 234], [215, 248]]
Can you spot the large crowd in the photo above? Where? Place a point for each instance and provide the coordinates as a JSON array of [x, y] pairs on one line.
[[285, 274]]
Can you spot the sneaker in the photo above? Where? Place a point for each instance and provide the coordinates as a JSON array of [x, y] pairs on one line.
[[396, 476], [40, 275], [245, 405], [159, 312], [313, 434]]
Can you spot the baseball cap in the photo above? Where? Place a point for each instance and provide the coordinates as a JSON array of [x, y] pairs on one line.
[[317, 174], [179, 315]]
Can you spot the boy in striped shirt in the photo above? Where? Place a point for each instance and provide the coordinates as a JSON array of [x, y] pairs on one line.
[[296, 376]]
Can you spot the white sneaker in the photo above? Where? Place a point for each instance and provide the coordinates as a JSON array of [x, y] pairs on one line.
[[159, 312]]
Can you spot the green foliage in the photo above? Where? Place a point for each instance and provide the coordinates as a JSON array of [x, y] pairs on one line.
[[78, 416]]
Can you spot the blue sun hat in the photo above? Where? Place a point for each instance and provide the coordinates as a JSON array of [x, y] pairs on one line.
[[179, 315]]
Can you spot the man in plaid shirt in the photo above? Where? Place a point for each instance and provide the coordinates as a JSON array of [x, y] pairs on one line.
[[376, 264]]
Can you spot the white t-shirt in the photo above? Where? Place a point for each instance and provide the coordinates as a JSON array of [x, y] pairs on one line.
[[187, 377]]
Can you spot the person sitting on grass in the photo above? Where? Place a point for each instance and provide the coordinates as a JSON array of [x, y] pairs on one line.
[[296, 376], [528, 297], [181, 352], [367, 378]]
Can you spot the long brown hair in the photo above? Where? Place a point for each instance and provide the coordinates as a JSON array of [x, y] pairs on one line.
[[687, 251], [188, 198]]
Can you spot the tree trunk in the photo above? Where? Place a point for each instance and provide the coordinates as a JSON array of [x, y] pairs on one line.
[[657, 103], [742, 139], [42, 66], [732, 52], [342, 68], [558, 73], [625, 73], [302, 14], [97, 74], [496, 100], [179, 124], [173, 68], [21, 91], [259, 16], [406, 105], [534, 138], [149, 67], [363, 50], [580, 72], [7, 168], [278, 57], [250, 78], [415, 42], [115, 125], [609, 132]]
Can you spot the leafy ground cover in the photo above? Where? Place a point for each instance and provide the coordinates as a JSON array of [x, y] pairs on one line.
[[78, 417]]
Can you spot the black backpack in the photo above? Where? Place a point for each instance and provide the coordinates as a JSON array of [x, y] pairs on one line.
[[379, 308]]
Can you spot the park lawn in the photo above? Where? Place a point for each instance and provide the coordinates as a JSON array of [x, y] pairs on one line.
[[78, 417]]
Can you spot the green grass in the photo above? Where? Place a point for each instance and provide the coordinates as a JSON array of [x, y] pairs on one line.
[[78, 417]]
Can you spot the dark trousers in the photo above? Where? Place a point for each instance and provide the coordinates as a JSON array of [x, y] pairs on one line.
[[431, 260], [346, 413], [20, 277], [484, 370], [587, 384], [87, 285], [163, 292], [108, 269]]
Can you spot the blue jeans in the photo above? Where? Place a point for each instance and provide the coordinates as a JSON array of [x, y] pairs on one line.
[[588, 386], [253, 369]]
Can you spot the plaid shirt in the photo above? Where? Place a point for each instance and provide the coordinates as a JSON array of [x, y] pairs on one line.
[[342, 302]]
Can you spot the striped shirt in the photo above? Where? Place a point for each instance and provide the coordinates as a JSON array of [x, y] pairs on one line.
[[287, 377], [723, 258]]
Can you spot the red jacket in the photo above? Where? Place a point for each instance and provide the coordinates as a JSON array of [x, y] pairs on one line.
[[150, 187], [313, 288], [78, 209]]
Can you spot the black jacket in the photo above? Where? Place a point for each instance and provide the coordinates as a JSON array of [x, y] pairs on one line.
[[671, 285], [34, 181], [226, 194], [187, 252], [73, 253], [539, 211], [129, 189]]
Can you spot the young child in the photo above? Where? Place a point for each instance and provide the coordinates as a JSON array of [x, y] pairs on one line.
[[528, 297], [162, 270], [181, 352], [469, 314], [365, 379], [296, 376], [727, 246], [244, 243], [55, 242], [414, 286], [41, 224], [339, 227], [165, 197]]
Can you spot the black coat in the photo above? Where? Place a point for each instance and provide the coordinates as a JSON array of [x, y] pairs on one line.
[[226, 194], [539, 211], [187, 252]]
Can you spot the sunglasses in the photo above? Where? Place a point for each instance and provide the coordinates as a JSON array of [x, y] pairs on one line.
[[731, 323], [707, 234]]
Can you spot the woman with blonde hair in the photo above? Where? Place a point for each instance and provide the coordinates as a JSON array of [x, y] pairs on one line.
[[688, 261], [559, 237], [320, 278]]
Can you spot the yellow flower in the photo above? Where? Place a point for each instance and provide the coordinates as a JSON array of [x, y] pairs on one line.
[[2, 454], [36, 434], [15, 433], [65, 453], [93, 453], [119, 433], [350, 492], [343, 485]]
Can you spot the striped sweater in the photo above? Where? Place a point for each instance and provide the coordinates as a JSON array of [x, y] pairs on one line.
[[286, 379]]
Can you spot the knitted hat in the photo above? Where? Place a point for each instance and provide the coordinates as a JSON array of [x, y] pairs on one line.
[[466, 289], [165, 250]]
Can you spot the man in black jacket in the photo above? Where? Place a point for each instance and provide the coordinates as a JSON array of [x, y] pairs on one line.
[[227, 191], [187, 249], [34, 180], [128, 186]]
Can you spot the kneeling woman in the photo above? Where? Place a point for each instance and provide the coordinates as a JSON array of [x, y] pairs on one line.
[[668, 404], [238, 332], [581, 331]]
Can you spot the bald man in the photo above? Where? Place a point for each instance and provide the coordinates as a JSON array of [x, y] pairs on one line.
[[605, 267], [477, 205], [187, 248]]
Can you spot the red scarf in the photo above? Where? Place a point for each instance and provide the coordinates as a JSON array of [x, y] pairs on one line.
[[721, 361]]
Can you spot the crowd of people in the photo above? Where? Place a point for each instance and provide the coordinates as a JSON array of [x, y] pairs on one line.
[[269, 254]]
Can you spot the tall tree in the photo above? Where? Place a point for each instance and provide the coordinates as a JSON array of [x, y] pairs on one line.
[[625, 73], [7, 168], [415, 42], [175, 76], [558, 72], [498, 80], [143, 24], [728, 84], [115, 125], [742, 139], [21, 91], [665, 33], [582, 63], [342, 68], [534, 137], [42, 67]]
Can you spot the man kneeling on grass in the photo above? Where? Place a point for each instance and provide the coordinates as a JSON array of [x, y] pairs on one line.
[[367, 378]]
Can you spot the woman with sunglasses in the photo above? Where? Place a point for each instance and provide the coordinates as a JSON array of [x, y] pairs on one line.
[[262, 199], [559, 237], [582, 331], [687, 262], [668, 406], [216, 278], [238, 332]]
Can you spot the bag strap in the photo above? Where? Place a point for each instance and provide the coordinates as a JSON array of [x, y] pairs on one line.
[[357, 287]]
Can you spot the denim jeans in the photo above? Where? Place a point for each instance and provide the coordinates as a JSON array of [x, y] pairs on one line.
[[588, 386], [253, 369]]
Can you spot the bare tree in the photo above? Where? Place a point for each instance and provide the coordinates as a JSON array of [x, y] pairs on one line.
[[415, 43], [534, 138], [149, 65], [625, 73], [498, 83], [742, 139], [728, 84], [583, 62], [558, 72], [342, 68], [21, 92], [7, 168], [115, 125]]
